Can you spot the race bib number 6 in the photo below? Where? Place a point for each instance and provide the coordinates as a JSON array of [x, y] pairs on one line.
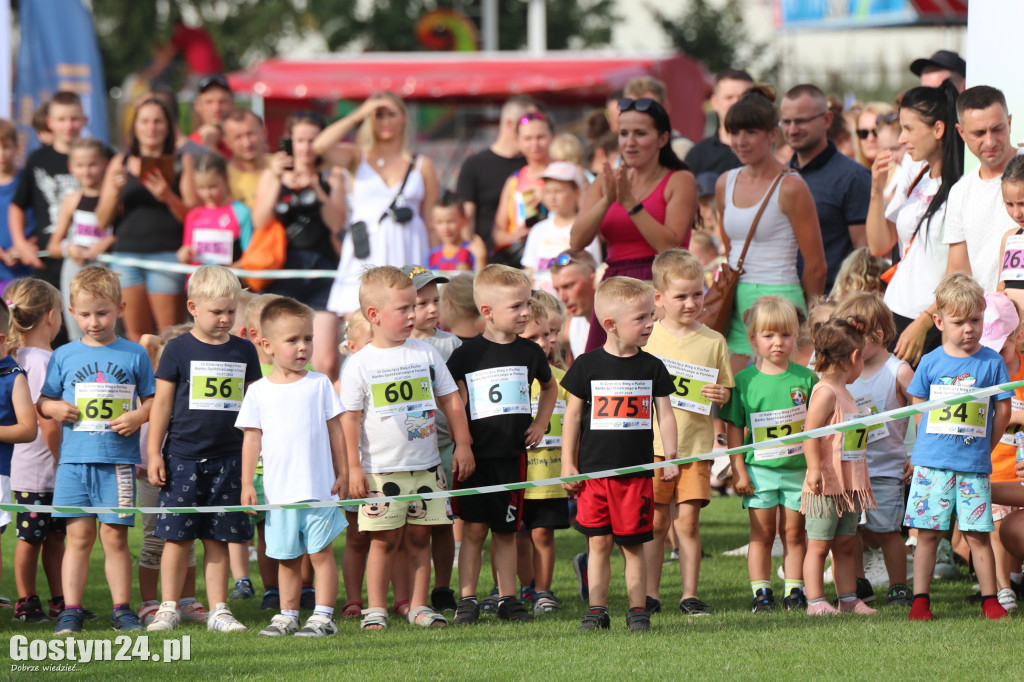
[[688, 381], [100, 404], [397, 390], [969, 419], [777, 424], [216, 385], [621, 405], [500, 390]]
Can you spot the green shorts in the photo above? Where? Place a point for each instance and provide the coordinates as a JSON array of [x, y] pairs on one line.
[[746, 294], [828, 522], [773, 487], [257, 482]]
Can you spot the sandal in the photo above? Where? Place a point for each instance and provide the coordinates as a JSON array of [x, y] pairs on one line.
[[397, 609], [374, 619], [426, 617], [352, 609]]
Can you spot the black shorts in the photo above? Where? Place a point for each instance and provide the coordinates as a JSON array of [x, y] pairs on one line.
[[500, 511], [34, 526], [547, 513], [203, 483]]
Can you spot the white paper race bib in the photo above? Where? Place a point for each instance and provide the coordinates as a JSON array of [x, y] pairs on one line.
[[85, 229], [866, 404], [500, 390], [216, 385], [969, 419], [1013, 259], [776, 424], [1017, 405], [398, 390], [621, 405], [688, 380], [213, 247], [553, 435], [100, 404], [855, 442]]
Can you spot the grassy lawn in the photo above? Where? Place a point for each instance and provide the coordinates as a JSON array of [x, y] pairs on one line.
[[732, 643]]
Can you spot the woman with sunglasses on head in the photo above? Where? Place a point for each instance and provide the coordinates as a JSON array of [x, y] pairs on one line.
[[643, 207], [870, 119], [393, 193], [311, 207], [788, 225]]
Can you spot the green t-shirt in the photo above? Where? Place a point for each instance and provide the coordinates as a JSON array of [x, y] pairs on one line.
[[770, 406]]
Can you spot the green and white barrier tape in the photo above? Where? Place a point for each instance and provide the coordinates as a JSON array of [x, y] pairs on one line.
[[863, 422], [185, 269]]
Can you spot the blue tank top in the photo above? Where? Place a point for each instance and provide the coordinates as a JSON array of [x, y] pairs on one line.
[[9, 370]]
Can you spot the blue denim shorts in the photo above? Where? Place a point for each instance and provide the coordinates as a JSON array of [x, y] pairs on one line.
[[156, 281]]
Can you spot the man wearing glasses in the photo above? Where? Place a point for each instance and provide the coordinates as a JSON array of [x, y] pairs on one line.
[[841, 187]]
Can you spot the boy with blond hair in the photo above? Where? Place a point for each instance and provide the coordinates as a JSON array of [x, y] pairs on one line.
[[697, 358], [494, 372], [608, 425], [200, 382], [391, 389], [100, 388], [951, 457]]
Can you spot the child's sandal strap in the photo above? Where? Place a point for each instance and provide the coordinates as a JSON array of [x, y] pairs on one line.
[[426, 617], [374, 619]]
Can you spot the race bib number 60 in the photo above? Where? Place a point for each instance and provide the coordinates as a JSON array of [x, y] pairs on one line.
[[100, 404], [397, 390], [621, 405], [500, 390]]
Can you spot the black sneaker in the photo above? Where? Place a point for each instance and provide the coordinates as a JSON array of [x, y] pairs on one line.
[[764, 601], [512, 610], [595, 620], [865, 592], [271, 600], [243, 589], [467, 611], [490, 602], [125, 620], [30, 610], [795, 600], [57, 608], [652, 605], [307, 600], [69, 622], [975, 598], [638, 621], [900, 595], [692, 606], [443, 599]]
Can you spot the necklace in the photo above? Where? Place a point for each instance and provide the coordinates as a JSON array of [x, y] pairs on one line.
[[380, 162]]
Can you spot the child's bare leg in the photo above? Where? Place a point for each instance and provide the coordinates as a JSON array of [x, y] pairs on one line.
[[543, 557], [794, 544], [417, 554], [924, 558], [762, 537], [984, 562], [401, 574], [26, 558], [1001, 557], [599, 568], [353, 562], [636, 575], [267, 566], [655, 549], [895, 554], [857, 555], [53, 556], [442, 550], [173, 566], [117, 561], [189, 588], [289, 580], [687, 526], [81, 532], [503, 558], [383, 545], [325, 572], [814, 567], [216, 563], [238, 557], [843, 561], [524, 558], [473, 536], [307, 570]]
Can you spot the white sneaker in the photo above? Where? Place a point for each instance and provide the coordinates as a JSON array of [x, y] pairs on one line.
[[318, 625], [195, 612], [739, 551], [1007, 598], [166, 618], [222, 620], [280, 625], [874, 568], [148, 611], [945, 566], [827, 577], [777, 549]]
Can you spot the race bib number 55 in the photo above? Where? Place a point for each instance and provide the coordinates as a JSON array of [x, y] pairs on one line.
[[621, 405], [100, 404], [688, 380]]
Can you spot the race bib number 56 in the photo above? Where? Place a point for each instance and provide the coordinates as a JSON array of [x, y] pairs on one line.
[[621, 405], [100, 404], [216, 385]]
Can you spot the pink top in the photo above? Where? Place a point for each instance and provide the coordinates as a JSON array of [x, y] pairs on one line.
[[621, 234]]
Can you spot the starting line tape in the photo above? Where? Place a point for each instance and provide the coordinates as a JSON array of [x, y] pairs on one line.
[[185, 269], [852, 425]]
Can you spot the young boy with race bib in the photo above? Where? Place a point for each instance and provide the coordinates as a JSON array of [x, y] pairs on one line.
[[391, 389], [101, 389], [201, 379], [494, 372], [952, 456], [698, 360], [769, 401], [613, 392]]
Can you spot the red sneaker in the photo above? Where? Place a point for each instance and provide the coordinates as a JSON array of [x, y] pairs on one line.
[[993, 610], [922, 609]]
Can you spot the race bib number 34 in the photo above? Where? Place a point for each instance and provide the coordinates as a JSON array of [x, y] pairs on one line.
[[968, 419], [621, 405], [688, 381], [100, 404], [397, 390], [500, 390], [776, 424], [216, 385]]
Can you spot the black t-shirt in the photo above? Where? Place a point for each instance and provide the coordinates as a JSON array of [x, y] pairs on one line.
[[711, 155], [618, 394], [498, 377], [481, 180], [146, 224], [209, 384], [45, 182], [302, 220]]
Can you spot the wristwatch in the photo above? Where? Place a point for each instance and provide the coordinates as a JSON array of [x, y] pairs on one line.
[[636, 209]]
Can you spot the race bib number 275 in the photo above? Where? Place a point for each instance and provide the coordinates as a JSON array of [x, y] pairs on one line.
[[621, 405]]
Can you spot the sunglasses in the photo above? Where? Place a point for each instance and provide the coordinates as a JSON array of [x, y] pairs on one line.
[[863, 134], [887, 119], [532, 116], [564, 259], [642, 105]]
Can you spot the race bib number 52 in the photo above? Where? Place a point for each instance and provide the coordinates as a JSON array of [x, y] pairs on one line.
[[777, 424], [100, 404], [621, 405]]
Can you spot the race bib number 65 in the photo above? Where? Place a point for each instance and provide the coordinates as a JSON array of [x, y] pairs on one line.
[[100, 404], [621, 405], [688, 381]]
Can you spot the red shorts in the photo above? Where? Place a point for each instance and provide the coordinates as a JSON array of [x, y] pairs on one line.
[[622, 506]]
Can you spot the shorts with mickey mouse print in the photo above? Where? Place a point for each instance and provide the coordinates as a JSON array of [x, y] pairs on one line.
[[35, 526], [392, 515]]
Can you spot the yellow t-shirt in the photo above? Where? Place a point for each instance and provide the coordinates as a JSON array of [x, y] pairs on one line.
[[706, 349], [242, 184], [547, 462]]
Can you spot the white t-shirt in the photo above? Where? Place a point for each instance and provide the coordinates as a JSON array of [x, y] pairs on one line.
[[545, 241], [33, 467], [297, 462], [924, 262], [396, 389], [976, 215], [579, 331]]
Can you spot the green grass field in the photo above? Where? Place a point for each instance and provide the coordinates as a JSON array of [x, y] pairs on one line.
[[730, 644]]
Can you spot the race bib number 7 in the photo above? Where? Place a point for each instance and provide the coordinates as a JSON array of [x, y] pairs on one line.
[[216, 385], [969, 419], [100, 404], [688, 381], [397, 390], [621, 405], [500, 390], [855, 442], [777, 424]]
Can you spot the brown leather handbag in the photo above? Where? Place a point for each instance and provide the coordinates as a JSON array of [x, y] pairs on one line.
[[720, 297]]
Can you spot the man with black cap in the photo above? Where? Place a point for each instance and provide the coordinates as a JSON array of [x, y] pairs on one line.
[[214, 101], [940, 66]]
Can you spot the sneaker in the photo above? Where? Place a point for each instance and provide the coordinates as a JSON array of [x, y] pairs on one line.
[[318, 625], [125, 620], [874, 568], [254, 557], [167, 618], [307, 600], [528, 594], [827, 577], [692, 606], [672, 556], [595, 620], [271, 600], [856, 606], [652, 605], [739, 551], [280, 626], [243, 590], [467, 611], [148, 611], [30, 610], [490, 602], [222, 620], [195, 612], [920, 609], [764, 601], [544, 602], [974, 598], [638, 621], [900, 595], [579, 564], [993, 610], [69, 622], [945, 564], [513, 611], [795, 600], [57, 608], [1007, 598], [821, 608], [443, 599], [5, 603], [865, 592]]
